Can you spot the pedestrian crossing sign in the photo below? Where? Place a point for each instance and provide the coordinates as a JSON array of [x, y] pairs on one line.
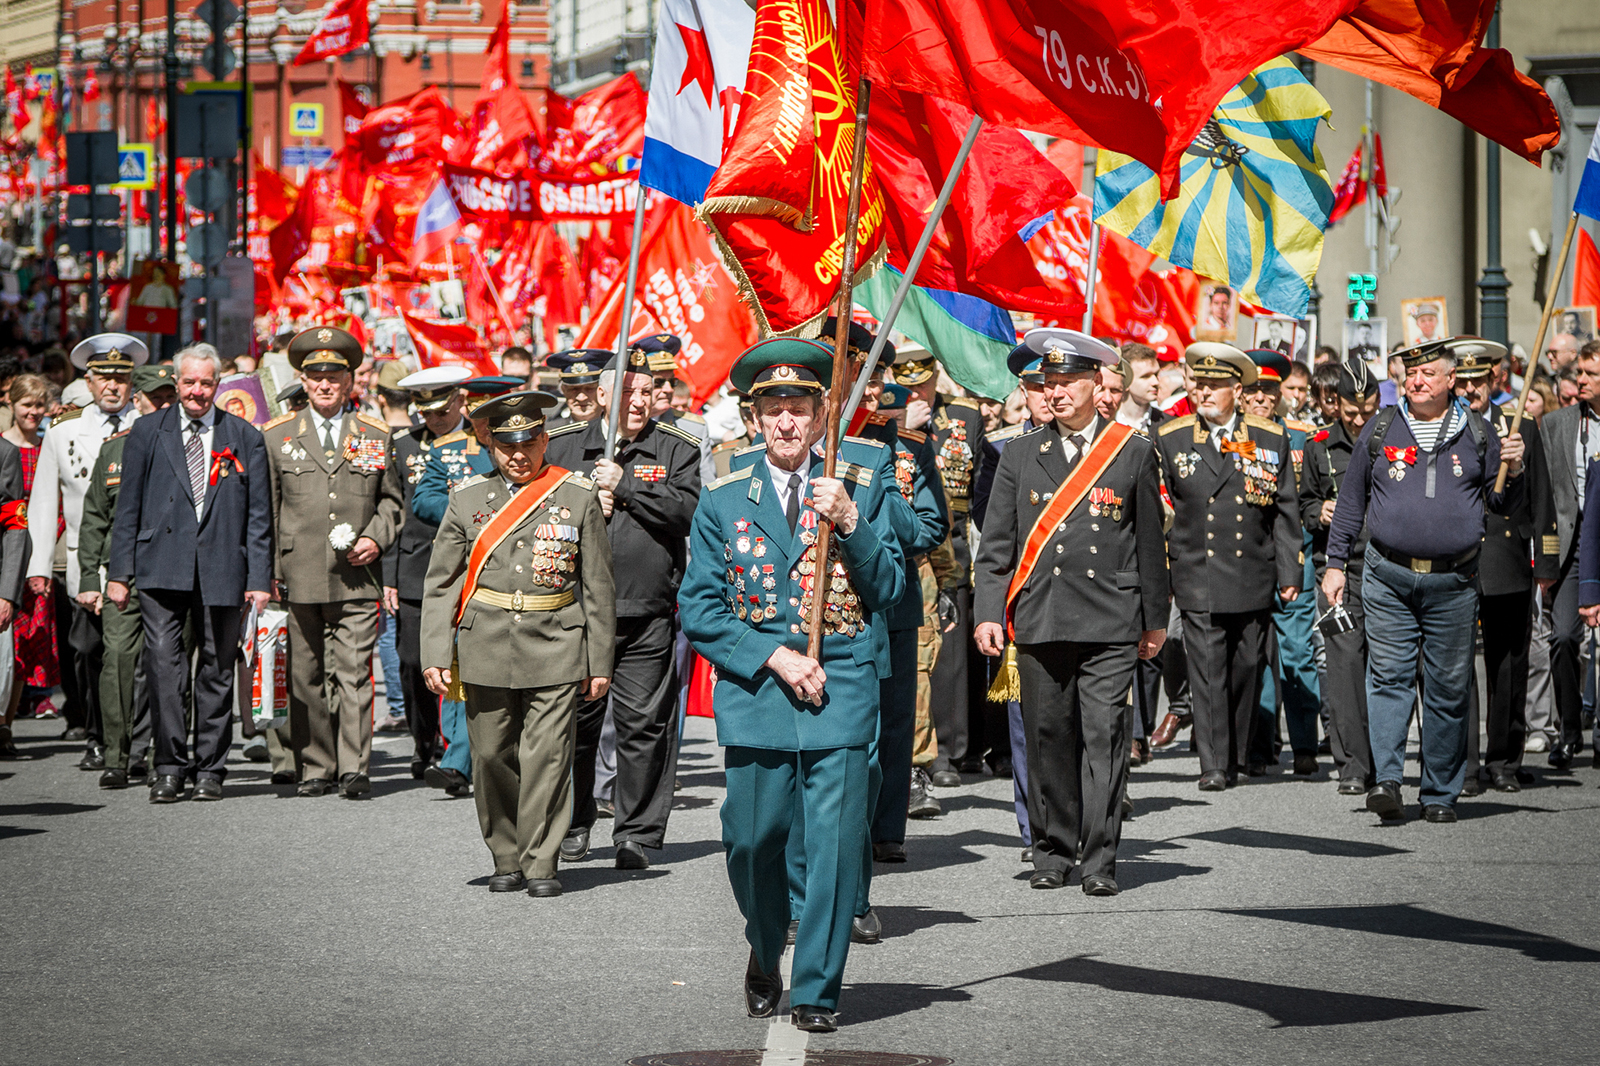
[[305, 120], [136, 166]]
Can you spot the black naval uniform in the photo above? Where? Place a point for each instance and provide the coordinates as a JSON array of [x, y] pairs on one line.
[[1099, 583], [405, 568], [967, 724], [649, 529], [1527, 534], [1235, 540], [1344, 680]]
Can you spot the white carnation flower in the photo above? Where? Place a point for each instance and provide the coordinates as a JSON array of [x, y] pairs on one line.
[[342, 536]]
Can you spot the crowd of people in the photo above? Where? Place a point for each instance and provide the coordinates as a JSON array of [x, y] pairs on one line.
[[1290, 557]]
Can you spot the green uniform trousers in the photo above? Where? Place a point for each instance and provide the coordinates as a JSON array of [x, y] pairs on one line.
[[522, 742], [330, 645], [768, 790], [123, 634]]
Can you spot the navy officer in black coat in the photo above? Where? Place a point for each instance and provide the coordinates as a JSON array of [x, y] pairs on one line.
[[194, 532], [1072, 568]]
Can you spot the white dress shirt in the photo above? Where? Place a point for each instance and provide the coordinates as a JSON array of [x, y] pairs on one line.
[[1088, 433], [333, 424], [1221, 431], [780, 483]]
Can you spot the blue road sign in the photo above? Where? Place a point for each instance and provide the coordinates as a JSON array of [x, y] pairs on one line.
[[295, 155]]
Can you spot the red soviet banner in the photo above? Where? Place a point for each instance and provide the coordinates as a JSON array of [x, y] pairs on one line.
[[527, 197], [441, 343], [343, 28]]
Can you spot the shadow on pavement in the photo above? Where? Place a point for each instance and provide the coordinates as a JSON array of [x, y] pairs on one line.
[[9, 831], [955, 849], [903, 921], [968, 802], [40, 810], [1137, 874], [1408, 920], [1260, 838], [1158, 804], [873, 1002], [1288, 1006]]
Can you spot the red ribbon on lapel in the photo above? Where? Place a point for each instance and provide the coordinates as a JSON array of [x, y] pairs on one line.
[[1407, 455], [220, 461], [14, 515]]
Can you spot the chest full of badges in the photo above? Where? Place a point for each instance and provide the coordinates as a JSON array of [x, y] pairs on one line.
[[752, 574], [955, 461], [366, 454], [1260, 475], [555, 554], [905, 474], [841, 607]]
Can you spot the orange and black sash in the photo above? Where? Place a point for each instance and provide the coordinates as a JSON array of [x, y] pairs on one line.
[[509, 517], [1067, 496]]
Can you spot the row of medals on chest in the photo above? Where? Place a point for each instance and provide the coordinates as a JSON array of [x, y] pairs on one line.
[[555, 550], [842, 612]]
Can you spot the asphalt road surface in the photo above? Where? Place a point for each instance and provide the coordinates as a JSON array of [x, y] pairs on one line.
[[1276, 923]]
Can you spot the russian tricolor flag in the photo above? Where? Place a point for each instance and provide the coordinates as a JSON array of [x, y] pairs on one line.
[[1588, 200], [702, 52], [438, 223]]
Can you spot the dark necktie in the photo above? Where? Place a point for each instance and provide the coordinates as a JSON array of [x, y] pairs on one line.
[[792, 512], [327, 438], [194, 452], [1076, 440], [116, 424]]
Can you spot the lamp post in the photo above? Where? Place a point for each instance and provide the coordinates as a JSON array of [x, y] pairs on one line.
[[1493, 284]]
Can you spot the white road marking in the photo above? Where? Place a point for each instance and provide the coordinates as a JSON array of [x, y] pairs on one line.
[[786, 1045]]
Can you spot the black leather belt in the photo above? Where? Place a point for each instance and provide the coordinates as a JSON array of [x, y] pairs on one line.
[[1444, 565]]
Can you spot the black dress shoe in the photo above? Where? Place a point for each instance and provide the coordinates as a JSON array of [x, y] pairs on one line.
[[1213, 781], [282, 777], [1352, 787], [865, 928], [762, 990], [1027, 855], [1505, 782], [888, 851], [1257, 769], [511, 882], [1127, 805], [544, 887], [605, 809], [1383, 799], [1047, 879], [575, 845], [138, 771], [166, 788], [1439, 812], [1001, 767], [1472, 785], [314, 786], [207, 789], [94, 758], [1100, 885], [794, 929], [970, 765], [1305, 765], [355, 786], [114, 778], [419, 767], [1560, 756], [76, 732], [452, 782], [814, 1019], [631, 856], [945, 779]]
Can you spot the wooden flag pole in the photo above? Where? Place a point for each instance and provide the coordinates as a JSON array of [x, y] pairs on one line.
[[614, 415], [841, 362], [1538, 348]]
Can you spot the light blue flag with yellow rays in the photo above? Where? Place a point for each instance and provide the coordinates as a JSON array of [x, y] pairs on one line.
[[1255, 194]]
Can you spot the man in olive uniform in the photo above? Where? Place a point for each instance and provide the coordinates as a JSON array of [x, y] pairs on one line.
[[1505, 581], [1072, 570], [436, 395], [336, 508], [796, 730], [124, 699], [1344, 637], [967, 724], [1235, 539], [647, 492], [518, 617]]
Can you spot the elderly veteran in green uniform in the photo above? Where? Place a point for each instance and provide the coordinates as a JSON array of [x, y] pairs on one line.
[[336, 506], [519, 616], [124, 701], [796, 730], [1235, 542]]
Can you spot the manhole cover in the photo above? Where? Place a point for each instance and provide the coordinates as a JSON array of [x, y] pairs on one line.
[[813, 1057]]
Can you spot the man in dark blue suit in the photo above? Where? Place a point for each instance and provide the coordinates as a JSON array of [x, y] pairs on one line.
[[197, 556]]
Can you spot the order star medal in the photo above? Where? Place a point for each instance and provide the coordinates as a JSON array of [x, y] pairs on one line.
[[743, 545]]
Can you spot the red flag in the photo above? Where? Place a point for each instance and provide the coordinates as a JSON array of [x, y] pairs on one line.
[[501, 118], [602, 257], [1351, 190], [352, 108], [1123, 76], [1380, 179], [779, 200], [559, 301], [342, 28], [601, 132], [1430, 49], [155, 126], [683, 288], [413, 132], [1586, 272], [441, 343]]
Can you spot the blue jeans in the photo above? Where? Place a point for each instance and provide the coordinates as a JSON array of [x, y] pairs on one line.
[[453, 727], [1431, 616], [394, 693]]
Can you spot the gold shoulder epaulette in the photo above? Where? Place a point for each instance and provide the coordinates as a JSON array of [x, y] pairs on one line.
[[727, 445], [863, 440], [568, 428], [451, 438], [1260, 423], [913, 435], [67, 416], [582, 482], [280, 420], [964, 401], [861, 475], [374, 422], [1007, 432], [1175, 424], [1304, 427], [748, 448], [692, 418], [728, 479], [473, 447], [682, 434], [475, 479]]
